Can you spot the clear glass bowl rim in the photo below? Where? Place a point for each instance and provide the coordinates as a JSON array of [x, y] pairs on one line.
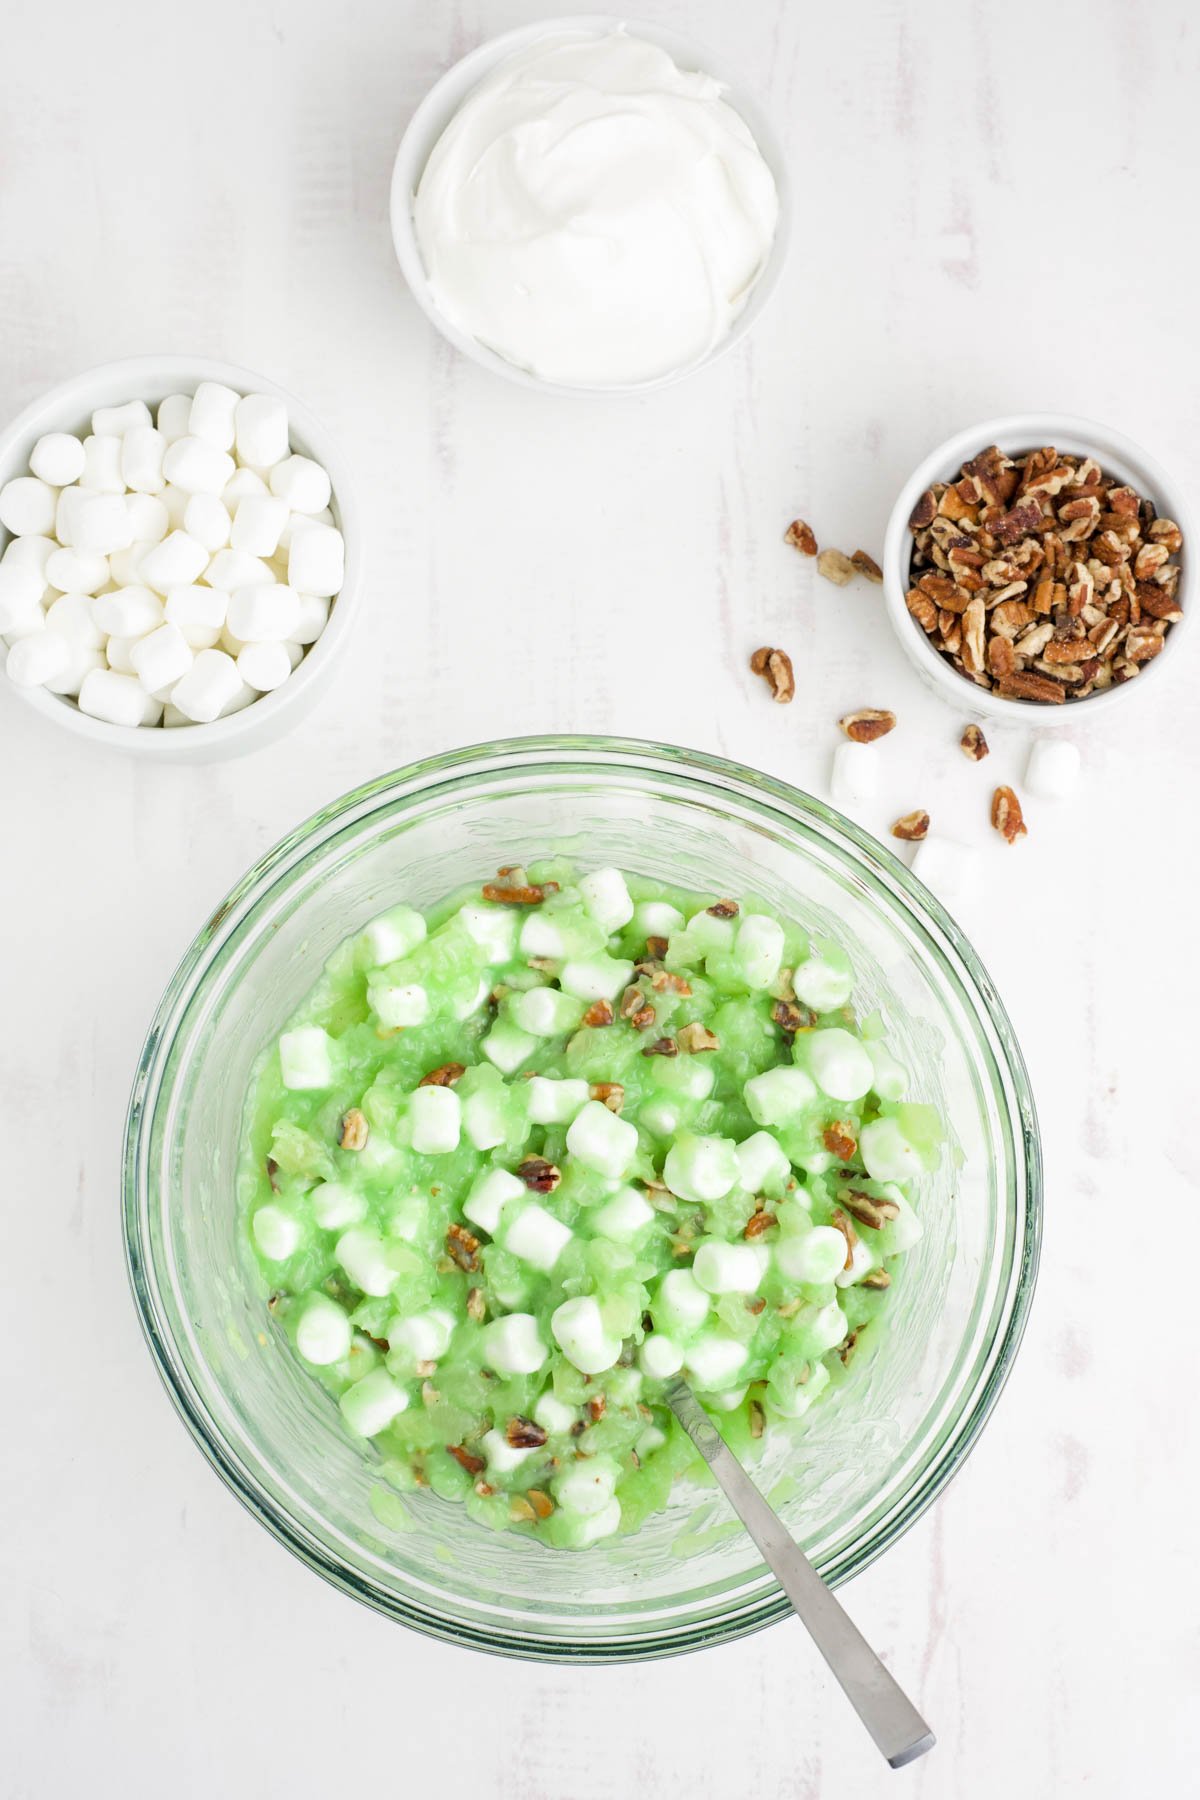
[[408, 786]]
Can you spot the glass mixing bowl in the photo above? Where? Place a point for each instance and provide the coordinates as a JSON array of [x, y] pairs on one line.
[[866, 1466]]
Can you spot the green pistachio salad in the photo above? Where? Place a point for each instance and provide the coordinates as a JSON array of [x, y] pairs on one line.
[[518, 1161]]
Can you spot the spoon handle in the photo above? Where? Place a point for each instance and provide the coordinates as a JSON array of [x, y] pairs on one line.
[[888, 1714]]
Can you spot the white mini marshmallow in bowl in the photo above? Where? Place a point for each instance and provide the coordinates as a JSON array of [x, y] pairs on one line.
[[166, 500]]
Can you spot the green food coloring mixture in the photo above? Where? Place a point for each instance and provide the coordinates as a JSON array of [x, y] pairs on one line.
[[518, 1161]]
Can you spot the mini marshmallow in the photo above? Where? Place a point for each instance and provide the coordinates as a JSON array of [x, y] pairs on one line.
[[199, 612], [580, 1334], [762, 1166], [334, 1206], [364, 1256], [537, 1237], [862, 1261], [64, 511], [276, 1232], [467, 1001], [264, 666], [305, 1058], [213, 415], [854, 777], [127, 612], [393, 934], [544, 1012], [39, 658], [239, 485], [102, 465], [660, 1356], [490, 1193], [197, 467], [587, 1487], [827, 1326], [721, 1268], [553, 1102], [710, 935], [175, 562], [656, 918], [261, 431], [681, 1300], [485, 1123], [57, 459], [507, 1047], [886, 1152], [662, 1117], [316, 560], [323, 1331], [142, 451], [758, 950], [116, 654], [596, 977], [398, 1005], [232, 569], [803, 1394], [690, 1076], [502, 1457], [257, 523], [493, 928], [701, 1168], [779, 1096], [648, 1441], [298, 521], [99, 522], [372, 1403], [28, 506], [425, 1335], [601, 1525], [175, 501], [622, 1217], [117, 699], [890, 1077], [73, 615], [714, 1359], [209, 686], [607, 899], [949, 868], [901, 1233], [161, 658], [206, 519], [511, 1345], [76, 571], [174, 416], [28, 555], [839, 1064], [263, 614], [115, 421], [601, 1141], [314, 616], [301, 483], [83, 660], [149, 518], [553, 1414], [820, 985], [1052, 769], [21, 593], [541, 935], [435, 1121], [813, 1257]]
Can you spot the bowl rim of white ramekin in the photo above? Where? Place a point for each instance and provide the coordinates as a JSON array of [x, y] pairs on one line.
[[442, 101], [1016, 433], [66, 407]]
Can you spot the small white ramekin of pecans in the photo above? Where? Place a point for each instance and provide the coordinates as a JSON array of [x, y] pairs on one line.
[[1036, 563]]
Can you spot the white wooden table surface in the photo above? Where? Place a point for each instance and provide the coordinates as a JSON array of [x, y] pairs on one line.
[[995, 212]]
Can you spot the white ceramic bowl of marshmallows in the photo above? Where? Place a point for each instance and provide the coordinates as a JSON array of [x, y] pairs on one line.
[[178, 557], [589, 207]]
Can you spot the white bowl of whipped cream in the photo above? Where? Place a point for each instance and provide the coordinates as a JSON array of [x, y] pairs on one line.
[[581, 206]]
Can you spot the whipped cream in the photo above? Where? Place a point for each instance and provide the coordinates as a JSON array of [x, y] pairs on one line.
[[595, 214]]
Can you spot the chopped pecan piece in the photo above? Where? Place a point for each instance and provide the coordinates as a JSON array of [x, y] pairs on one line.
[[800, 537], [1166, 531], [791, 1017], [273, 1174], [866, 1209], [876, 1278], [520, 1511], [775, 666], [354, 1130], [538, 1175], [1026, 686], [867, 724], [608, 1093], [476, 1306], [523, 1434], [840, 1141], [541, 1502], [526, 894], [846, 1351], [757, 1418], [657, 947], [474, 1465], [663, 1046], [1006, 815], [643, 1019], [912, 827], [866, 565], [664, 982], [925, 511], [972, 743], [631, 1000], [599, 1013], [445, 1076], [696, 1038], [595, 1408], [724, 909], [836, 566], [761, 1221], [462, 1248], [841, 1223]]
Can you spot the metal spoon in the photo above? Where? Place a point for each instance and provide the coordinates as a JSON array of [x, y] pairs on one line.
[[888, 1714]]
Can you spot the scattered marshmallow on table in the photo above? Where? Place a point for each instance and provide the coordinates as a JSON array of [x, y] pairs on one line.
[[1052, 769], [167, 566]]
